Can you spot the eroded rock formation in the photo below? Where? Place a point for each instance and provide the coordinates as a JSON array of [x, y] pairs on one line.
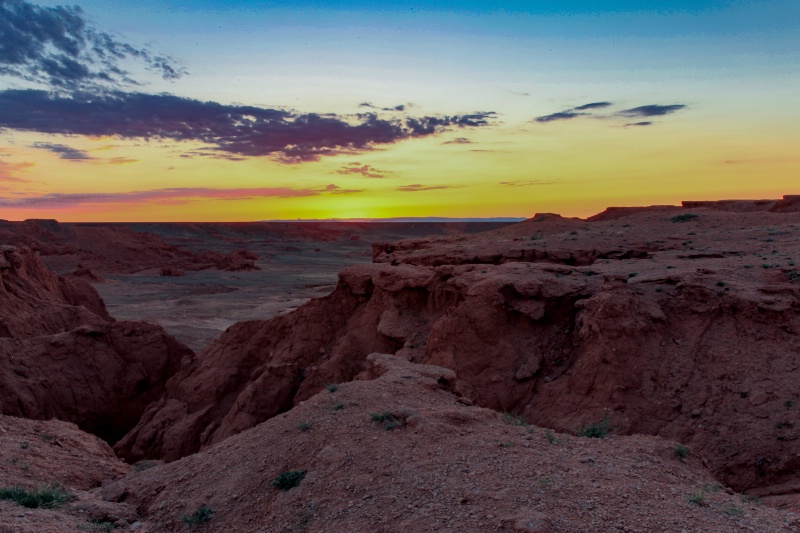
[[62, 356], [667, 322]]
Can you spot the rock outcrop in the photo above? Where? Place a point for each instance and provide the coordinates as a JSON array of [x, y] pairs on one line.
[[678, 324], [114, 249], [62, 355], [396, 451]]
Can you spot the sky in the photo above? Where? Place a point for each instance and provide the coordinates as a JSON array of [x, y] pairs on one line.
[[167, 110]]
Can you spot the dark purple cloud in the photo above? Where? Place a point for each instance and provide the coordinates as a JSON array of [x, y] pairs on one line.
[[593, 105], [233, 129], [564, 115], [64, 151], [652, 110], [58, 47], [646, 123], [367, 171]]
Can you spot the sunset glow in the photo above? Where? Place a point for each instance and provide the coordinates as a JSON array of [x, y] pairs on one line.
[[254, 111]]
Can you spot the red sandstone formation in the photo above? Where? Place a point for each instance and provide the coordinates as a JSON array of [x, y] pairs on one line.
[[62, 356], [113, 248], [396, 452], [676, 323], [36, 454]]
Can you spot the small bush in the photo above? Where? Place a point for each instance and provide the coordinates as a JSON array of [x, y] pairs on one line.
[[24, 445], [332, 387], [289, 479], [388, 420], [698, 498], [338, 407], [515, 420], [685, 217], [100, 525], [305, 426], [733, 510], [551, 437], [682, 451], [48, 497], [201, 516], [597, 430]]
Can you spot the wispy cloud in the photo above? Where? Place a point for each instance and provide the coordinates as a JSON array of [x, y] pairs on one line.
[[122, 160], [367, 171], [417, 187], [593, 105], [527, 183], [239, 130], [652, 110], [563, 115], [459, 140], [586, 110], [8, 171], [401, 107], [64, 151], [169, 195], [59, 47], [335, 189]]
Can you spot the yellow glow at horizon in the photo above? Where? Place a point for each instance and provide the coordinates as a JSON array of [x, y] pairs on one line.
[[576, 168]]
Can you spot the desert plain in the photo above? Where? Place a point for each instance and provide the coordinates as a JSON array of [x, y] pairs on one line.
[[634, 371]]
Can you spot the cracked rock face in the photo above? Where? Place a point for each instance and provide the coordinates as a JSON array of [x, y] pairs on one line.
[[666, 321], [63, 356]]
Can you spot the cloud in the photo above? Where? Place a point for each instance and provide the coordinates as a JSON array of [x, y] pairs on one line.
[[168, 196], [526, 183], [564, 115], [459, 140], [122, 160], [66, 152], [8, 171], [401, 107], [652, 110], [335, 189], [177, 194], [59, 47], [286, 136], [593, 105], [417, 187], [367, 171]]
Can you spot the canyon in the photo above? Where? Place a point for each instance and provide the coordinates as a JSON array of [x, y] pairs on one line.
[[448, 378]]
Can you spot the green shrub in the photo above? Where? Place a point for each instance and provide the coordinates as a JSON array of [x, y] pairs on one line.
[[305, 426], [682, 451], [597, 430], [733, 510], [698, 498], [201, 516], [332, 387], [289, 479], [48, 497], [388, 420], [515, 420]]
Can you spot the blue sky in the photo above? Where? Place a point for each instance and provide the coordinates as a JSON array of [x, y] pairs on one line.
[[727, 71]]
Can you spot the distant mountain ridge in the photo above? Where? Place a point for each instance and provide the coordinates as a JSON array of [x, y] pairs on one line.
[[404, 219]]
